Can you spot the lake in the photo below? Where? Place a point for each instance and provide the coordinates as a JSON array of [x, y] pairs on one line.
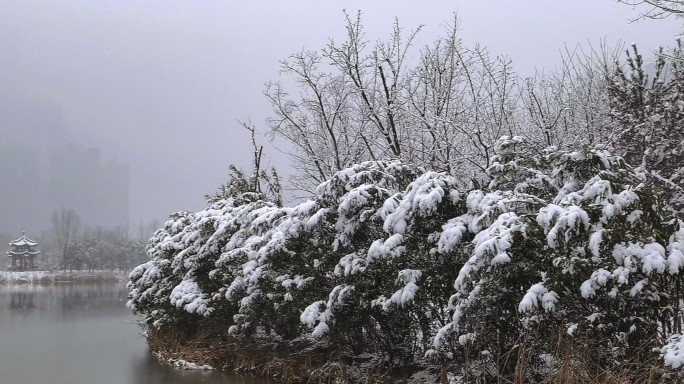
[[81, 334]]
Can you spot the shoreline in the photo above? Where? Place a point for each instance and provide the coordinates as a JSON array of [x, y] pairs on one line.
[[295, 361], [54, 277]]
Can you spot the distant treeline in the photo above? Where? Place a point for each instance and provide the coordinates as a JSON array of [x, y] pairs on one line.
[[68, 247]]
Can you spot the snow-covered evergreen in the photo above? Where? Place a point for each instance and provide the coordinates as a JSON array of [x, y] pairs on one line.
[[562, 246]]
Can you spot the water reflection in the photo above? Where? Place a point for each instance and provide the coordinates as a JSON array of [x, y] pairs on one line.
[[21, 300], [75, 334], [149, 371]]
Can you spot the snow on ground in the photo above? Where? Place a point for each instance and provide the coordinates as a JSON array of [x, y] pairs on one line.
[[46, 277], [182, 364]]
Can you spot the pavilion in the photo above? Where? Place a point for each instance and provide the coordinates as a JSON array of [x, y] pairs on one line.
[[23, 253]]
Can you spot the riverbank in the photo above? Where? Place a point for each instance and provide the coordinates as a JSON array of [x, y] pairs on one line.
[[51, 277], [302, 360], [308, 361]]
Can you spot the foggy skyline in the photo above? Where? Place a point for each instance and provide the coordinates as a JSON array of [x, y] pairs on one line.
[[160, 85], [93, 186]]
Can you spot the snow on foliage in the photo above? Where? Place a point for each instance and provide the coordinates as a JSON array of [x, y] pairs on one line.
[[651, 257], [350, 264], [405, 295], [453, 233], [389, 248], [672, 352], [319, 319], [187, 295], [597, 280], [422, 198], [386, 252], [491, 247], [538, 296], [567, 222], [675, 259]]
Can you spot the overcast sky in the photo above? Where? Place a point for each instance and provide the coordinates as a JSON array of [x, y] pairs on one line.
[[160, 84]]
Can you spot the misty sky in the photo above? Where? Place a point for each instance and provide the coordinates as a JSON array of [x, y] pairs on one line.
[[160, 84]]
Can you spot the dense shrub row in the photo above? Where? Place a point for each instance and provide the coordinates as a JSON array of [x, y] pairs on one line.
[[561, 247], [513, 262]]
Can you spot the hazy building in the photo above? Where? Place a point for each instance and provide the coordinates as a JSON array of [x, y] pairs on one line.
[[96, 190], [34, 184], [23, 191]]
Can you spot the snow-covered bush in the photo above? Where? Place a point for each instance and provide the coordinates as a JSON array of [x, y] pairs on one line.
[[176, 285], [589, 255], [647, 115], [561, 247]]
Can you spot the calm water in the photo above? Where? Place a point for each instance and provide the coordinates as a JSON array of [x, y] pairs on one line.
[[81, 334]]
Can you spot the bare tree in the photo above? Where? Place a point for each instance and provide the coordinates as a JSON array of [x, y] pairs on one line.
[[462, 101], [658, 9], [316, 121], [375, 74], [569, 107], [444, 110], [349, 106], [65, 223], [262, 183]]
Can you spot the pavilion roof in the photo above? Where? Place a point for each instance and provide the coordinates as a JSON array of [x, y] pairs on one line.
[[22, 253], [23, 240]]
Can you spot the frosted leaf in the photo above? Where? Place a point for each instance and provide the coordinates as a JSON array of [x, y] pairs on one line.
[[675, 259], [389, 248], [650, 255], [536, 295], [311, 314], [406, 294], [350, 265], [189, 296], [568, 222], [598, 279], [452, 233], [595, 243], [638, 287]]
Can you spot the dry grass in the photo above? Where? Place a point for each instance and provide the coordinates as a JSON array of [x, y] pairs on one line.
[[264, 359], [573, 365], [578, 365]]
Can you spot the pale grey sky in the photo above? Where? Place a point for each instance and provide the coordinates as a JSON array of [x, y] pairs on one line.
[[160, 84]]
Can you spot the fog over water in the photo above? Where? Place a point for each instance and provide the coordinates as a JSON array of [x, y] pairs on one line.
[[157, 86], [82, 334]]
